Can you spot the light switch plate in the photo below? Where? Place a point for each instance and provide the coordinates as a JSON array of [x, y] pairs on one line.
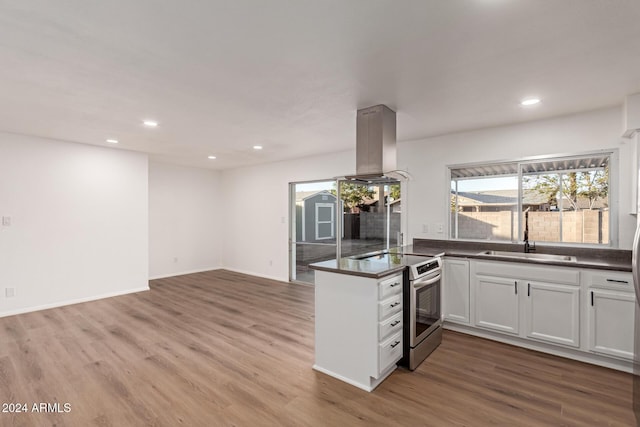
[[9, 292], [6, 221]]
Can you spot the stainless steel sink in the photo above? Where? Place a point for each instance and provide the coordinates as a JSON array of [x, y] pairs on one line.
[[530, 255]]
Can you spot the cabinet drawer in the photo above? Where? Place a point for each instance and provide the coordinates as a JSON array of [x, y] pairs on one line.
[[612, 280], [515, 270], [389, 327], [390, 287], [389, 307], [389, 352]]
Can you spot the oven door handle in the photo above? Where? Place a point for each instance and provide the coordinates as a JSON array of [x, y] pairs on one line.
[[421, 284]]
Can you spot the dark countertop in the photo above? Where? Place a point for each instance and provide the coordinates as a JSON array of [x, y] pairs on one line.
[[375, 266], [596, 258], [397, 259]]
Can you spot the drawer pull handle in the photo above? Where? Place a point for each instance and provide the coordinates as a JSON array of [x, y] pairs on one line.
[[395, 323], [618, 281], [395, 344], [591, 298], [395, 304], [393, 285]]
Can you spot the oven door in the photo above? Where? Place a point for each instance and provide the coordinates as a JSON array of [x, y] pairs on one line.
[[425, 314]]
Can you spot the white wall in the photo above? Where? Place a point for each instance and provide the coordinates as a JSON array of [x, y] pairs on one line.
[[427, 159], [79, 222], [89, 222], [256, 204], [185, 220]]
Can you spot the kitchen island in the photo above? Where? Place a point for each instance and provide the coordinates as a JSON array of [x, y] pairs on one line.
[[359, 316]]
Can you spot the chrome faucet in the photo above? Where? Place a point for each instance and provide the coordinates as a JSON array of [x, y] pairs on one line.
[[527, 247]]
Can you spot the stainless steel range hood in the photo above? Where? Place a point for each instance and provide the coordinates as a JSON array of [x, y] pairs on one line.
[[376, 146]]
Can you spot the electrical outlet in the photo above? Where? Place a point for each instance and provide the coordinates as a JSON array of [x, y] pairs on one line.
[[6, 221], [440, 227], [175, 259], [270, 263], [9, 292], [425, 228]]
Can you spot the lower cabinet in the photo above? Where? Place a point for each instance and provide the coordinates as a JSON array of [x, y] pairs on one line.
[[497, 305], [552, 313], [611, 322], [358, 327], [526, 302], [586, 314], [456, 290]]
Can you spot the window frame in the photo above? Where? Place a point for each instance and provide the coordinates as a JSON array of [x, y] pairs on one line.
[[614, 211]]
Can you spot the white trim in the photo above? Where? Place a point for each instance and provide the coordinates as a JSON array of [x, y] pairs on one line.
[[182, 273], [252, 273], [73, 301], [374, 382], [304, 222], [332, 207]]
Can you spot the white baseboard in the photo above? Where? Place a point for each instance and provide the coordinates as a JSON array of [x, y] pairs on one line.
[[182, 273], [343, 378], [235, 270], [73, 301], [252, 273]]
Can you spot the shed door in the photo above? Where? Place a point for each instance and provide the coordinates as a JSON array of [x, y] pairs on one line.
[[325, 221]]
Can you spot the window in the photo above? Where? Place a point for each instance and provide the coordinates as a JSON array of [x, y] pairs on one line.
[[560, 200]]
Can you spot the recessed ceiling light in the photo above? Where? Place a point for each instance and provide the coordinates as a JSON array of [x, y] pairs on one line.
[[530, 101], [257, 147], [112, 141], [211, 157], [150, 123]]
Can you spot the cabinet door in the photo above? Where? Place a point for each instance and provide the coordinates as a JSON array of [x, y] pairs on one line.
[[611, 318], [455, 290], [497, 303], [552, 313]]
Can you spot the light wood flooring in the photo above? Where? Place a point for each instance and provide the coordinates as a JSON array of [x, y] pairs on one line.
[[221, 348]]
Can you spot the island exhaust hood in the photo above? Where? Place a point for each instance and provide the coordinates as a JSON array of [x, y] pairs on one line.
[[376, 146]]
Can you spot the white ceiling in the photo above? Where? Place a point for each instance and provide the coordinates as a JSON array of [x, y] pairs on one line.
[[222, 76]]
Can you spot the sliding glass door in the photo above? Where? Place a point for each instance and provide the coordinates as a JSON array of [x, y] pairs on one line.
[[313, 212], [333, 219]]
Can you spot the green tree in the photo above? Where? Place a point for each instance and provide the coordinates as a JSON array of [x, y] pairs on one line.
[[394, 192], [590, 185], [353, 195]]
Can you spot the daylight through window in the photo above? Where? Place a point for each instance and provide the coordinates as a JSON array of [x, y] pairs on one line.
[[563, 200]]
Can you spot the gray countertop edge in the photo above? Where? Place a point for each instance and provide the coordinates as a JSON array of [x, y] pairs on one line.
[[349, 272]]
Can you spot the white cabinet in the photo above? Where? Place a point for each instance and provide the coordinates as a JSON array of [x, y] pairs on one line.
[[584, 314], [358, 327], [611, 314], [456, 290], [552, 313], [497, 305], [540, 303]]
